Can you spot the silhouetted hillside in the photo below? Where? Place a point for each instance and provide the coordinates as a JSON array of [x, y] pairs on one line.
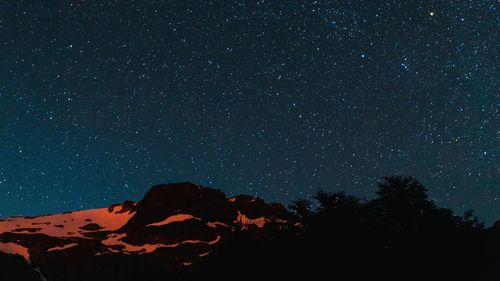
[[187, 232], [399, 235]]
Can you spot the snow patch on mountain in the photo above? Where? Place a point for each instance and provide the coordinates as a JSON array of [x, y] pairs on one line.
[[244, 220], [66, 224], [115, 240], [15, 249], [204, 254], [214, 224], [60, 248], [174, 218]]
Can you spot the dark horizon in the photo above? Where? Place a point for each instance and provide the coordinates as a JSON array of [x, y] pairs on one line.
[[190, 232], [287, 204]]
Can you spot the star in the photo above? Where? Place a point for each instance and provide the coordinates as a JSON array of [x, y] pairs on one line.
[[269, 99]]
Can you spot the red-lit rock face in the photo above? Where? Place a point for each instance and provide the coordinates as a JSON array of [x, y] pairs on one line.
[[178, 224]]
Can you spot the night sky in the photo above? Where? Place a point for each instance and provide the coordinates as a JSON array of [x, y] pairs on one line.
[[102, 99]]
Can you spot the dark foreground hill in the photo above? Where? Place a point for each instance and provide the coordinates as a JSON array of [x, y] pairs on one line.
[[188, 232]]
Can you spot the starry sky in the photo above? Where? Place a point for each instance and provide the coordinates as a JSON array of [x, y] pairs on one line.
[[102, 99]]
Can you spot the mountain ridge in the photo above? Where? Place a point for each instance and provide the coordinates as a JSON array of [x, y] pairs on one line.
[[176, 225]]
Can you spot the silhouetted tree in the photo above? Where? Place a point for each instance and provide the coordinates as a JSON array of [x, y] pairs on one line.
[[469, 220], [337, 212], [330, 202], [399, 235], [301, 207]]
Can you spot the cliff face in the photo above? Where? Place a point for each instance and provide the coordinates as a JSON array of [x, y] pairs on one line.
[[174, 227]]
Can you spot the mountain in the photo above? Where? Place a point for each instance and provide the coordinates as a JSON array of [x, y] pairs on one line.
[[166, 235]]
